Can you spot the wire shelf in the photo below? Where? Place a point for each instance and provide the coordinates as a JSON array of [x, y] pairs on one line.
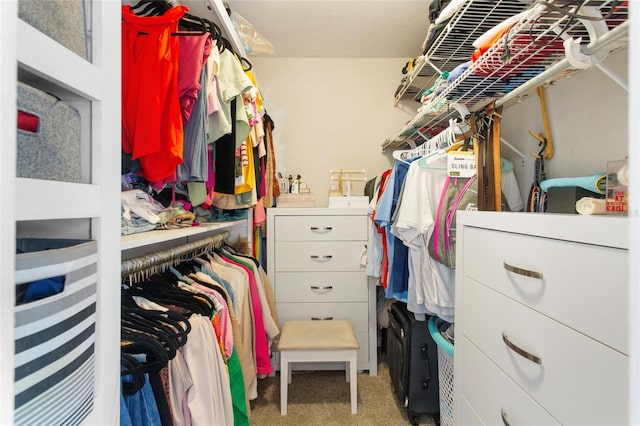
[[529, 48]]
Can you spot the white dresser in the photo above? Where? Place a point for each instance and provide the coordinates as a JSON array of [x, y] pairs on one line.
[[314, 260], [541, 319]]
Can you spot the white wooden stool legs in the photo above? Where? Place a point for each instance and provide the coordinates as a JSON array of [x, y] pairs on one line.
[[285, 379], [315, 342], [349, 357], [351, 367]]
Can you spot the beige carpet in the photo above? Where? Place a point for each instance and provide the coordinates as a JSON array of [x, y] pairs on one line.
[[322, 398]]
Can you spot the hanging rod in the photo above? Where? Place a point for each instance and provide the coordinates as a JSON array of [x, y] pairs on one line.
[[168, 256]]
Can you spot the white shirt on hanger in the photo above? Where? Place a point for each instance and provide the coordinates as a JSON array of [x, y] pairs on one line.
[[431, 284]]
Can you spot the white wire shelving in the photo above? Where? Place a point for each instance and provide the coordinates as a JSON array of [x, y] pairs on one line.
[[530, 53]]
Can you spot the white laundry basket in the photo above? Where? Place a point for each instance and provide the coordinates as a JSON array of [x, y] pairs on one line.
[[445, 372]]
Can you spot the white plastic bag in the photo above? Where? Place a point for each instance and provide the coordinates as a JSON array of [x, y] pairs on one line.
[[254, 42]]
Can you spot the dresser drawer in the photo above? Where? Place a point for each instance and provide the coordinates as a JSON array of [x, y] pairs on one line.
[[321, 228], [357, 313], [577, 379], [577, 280], [468, 417], [319, 256], [492, 394], [321, 287]]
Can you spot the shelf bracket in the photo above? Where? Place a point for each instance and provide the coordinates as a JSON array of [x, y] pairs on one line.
[[596, 28]]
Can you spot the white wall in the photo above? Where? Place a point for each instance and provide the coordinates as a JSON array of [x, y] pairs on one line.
[[330, 113], [588, 119]]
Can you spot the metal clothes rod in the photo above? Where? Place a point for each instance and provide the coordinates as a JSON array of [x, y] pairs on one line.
[[169, 256], [513, 148]]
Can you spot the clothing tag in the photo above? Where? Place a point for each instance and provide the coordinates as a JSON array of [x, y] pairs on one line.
[[461, 164]]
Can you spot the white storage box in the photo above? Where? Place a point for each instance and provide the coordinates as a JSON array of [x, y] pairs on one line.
[[351, 201], [295, 200], [55, 335]]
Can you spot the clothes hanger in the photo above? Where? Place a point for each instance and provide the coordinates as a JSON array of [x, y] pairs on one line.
[[173, 324], [137, 323], [175, 297], [155, 355], [423, 162], [213, 28], [405, 154], [151, 8], [163, 289], [130, 366], [246, 65], [439, 145], [193, 25]]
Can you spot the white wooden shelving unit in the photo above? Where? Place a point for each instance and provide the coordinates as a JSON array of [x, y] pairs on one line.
[[139, 244], [52, 209], [49, 209]]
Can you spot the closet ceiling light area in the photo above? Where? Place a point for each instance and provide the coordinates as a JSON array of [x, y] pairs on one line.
[[338, 29]]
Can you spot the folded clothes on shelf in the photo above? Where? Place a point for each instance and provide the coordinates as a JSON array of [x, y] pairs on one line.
[[522, 51], [518, 79], [221, 215], [474, 87]]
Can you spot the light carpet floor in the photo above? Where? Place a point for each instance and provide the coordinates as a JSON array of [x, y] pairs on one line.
[[322, 398]]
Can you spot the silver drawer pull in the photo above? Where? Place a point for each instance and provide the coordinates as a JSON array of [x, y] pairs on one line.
[[321, 287], [520, 271], [322, 228], [503, 414], [521, 351], [327, 257], [321, 319]]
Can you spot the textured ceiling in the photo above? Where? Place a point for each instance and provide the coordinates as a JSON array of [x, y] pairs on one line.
[[338, 29]]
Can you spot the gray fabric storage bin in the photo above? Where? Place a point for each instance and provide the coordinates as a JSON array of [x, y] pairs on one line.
[[53, 151], [62, 20], [55, 336]]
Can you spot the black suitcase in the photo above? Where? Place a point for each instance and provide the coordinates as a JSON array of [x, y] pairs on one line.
[[412, 356]]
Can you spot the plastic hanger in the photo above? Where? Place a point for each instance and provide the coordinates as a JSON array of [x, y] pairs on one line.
[[194, 26], [424, 161], [151, 8]]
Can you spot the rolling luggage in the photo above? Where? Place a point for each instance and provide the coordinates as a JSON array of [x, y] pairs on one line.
[[412, 356]]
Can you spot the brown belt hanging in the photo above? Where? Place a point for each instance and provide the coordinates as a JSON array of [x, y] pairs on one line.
[[478, 151], [494, 193], [486, 145]]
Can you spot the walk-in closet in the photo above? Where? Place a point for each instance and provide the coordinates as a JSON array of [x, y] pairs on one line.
[[260, 212]]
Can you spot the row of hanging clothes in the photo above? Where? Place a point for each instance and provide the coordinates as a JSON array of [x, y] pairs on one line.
[[411, 250], [197, 325], [193, 118]]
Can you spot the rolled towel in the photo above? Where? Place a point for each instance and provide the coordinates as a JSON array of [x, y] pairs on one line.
[[623, 175], [595, 183], [590, 205]]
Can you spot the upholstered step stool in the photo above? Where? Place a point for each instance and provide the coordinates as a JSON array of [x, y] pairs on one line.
[[318, 341]]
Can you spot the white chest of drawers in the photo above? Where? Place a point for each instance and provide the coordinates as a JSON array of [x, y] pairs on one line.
[[541, 319], [314, 264]]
